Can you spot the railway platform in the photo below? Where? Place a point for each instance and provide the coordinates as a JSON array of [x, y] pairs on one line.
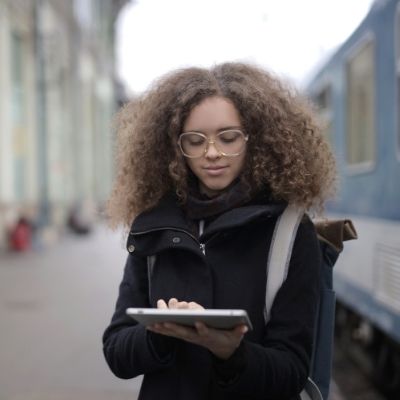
[[54, 305]]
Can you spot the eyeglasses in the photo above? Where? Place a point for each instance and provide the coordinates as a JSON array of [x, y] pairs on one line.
[[229, 143]]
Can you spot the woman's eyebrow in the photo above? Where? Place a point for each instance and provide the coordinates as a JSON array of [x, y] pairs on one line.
[[227, 128], [224, 128]]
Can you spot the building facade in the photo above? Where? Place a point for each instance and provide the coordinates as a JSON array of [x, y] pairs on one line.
[[57, 87]]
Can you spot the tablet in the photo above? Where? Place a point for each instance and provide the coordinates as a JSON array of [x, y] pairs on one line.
[[220, 319]]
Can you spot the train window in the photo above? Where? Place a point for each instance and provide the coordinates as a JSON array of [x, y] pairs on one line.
[[324, 103], [397, 55], [360, 106]]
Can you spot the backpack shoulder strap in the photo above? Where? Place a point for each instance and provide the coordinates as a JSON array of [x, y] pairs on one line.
[[280, 252], [277, 269]]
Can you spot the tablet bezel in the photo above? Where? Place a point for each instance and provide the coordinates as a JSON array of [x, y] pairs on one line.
[[215, 318]]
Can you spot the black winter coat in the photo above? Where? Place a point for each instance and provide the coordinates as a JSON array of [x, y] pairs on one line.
[[224, 268]]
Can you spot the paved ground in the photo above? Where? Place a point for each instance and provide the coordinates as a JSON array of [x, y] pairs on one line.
[[352, 381], [54, 306]]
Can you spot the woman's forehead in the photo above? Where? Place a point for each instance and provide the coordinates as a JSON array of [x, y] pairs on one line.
[[213, 114]]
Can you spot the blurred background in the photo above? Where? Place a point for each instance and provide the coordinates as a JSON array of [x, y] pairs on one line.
[[59, 91], [66, 68]]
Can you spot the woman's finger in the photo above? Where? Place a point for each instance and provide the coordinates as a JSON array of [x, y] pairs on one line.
[[161, 304], [195, 306], [202, 329], [182, 304], [240, 330], [172, 302]]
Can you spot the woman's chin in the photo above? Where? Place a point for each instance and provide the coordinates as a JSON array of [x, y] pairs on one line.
[[213, 190]]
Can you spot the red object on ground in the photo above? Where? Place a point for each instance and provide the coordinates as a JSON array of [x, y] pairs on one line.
[[21, 236]]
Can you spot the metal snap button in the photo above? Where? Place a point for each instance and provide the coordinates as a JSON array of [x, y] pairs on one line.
[[176, 240], [131, 248]]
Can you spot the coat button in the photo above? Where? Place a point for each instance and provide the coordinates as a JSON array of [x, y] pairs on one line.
[[176, 240], [131, 248]]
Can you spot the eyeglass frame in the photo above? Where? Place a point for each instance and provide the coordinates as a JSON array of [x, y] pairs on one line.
[[208, 142]]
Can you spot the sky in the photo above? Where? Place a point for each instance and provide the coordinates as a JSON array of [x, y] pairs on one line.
[[288, 37]]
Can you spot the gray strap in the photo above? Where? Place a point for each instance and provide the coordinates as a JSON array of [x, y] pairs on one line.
[[280, 253], [311, 391], [278, 266]]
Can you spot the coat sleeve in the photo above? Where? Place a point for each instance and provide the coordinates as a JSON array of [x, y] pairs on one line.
[[279, 366], [129, 349]]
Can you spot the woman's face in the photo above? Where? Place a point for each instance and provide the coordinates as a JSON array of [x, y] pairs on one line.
[[214, 170]]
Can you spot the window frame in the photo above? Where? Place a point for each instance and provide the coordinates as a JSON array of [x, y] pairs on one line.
[[396, 43], [370, 165], [326, 114], [19, 110]]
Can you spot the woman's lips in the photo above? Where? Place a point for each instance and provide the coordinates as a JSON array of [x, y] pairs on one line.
[[215, 171]]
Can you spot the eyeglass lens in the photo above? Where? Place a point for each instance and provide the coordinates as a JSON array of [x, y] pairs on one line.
[[230, 143]]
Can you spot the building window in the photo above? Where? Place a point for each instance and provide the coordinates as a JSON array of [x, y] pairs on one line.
[[360, 106], [18, 107], [17, 73]]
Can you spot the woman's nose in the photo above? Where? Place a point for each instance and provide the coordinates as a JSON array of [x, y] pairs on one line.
[[212, 152]]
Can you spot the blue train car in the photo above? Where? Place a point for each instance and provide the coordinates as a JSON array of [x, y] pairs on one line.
[[358, 95]]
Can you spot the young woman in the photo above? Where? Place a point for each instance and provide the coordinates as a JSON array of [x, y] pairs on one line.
[[207, 161]]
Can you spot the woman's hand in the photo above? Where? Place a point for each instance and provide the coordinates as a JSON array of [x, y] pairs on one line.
[[222, 343]]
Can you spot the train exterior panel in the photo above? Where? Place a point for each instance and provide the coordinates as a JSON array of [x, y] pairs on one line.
[[358, 94]]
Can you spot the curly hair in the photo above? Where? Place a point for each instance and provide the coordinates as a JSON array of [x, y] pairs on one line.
[[286, 149]]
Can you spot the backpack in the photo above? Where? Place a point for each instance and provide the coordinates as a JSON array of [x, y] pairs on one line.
[[331, 234]]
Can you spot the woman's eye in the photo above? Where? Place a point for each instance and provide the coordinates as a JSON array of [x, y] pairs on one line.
[[227, 140], [228, 137], [195, 141]]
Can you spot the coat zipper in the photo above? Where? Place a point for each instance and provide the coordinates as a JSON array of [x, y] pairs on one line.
[[201, 230]]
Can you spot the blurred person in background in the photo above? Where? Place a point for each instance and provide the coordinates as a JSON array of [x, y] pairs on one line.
[[80, 218], [208, 159], [20, 235]]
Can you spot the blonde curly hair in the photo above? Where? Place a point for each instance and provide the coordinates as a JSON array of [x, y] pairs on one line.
[[286, 150]]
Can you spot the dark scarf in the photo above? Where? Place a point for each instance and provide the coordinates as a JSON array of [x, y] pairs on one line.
[[200, 206]]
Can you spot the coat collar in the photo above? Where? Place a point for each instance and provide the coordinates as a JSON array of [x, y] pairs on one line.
[[165, 226], [169, 215]]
